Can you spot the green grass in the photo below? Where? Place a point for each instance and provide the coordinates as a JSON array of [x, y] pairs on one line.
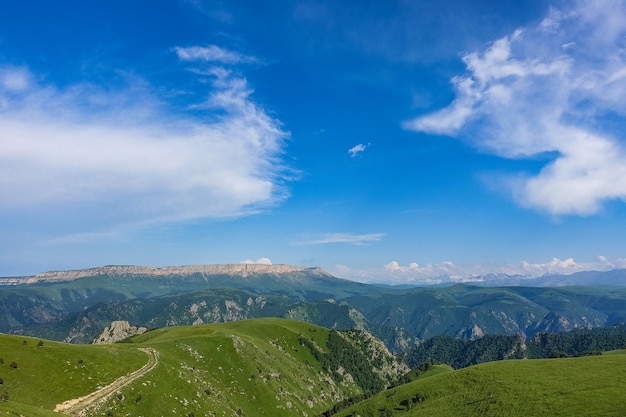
[[251, 368], [54, 372], [13, 409], [258, 368], [586, 386]]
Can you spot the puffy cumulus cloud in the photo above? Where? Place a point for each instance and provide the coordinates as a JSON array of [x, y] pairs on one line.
[[103, 158], [261, 261], [414, 273], [555, 266], [605, 264], [429, 273], [568, 266], [351, 238], [558, 89], [395, 273], [394, 266]]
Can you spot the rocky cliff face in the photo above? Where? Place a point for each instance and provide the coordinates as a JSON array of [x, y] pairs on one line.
[[125, 270], [118, 330]]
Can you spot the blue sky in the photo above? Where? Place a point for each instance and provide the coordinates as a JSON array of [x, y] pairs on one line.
[[385, 141]]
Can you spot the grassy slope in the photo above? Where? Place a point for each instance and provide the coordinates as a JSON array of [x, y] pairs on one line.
[[589, 386], [258, 367], [49, 374], [252, 368]]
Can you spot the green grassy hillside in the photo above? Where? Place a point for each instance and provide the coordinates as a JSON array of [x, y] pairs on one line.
[[586, 386], [252, 367], [43, 373]]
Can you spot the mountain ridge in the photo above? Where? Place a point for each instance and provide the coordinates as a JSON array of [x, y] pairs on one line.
[[78, 309], [614, 277], [241, 269]]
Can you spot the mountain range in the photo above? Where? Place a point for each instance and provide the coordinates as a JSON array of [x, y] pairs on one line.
[[248, 339], [76, 306], [616, 277]]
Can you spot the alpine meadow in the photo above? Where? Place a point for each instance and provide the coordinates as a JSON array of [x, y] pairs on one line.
[[313, 208]]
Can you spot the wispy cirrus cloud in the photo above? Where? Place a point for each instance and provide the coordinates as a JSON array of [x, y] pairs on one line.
[[14, 79], [109, 158], [357, 149], [558, 87], [213, 53], [349, 238]]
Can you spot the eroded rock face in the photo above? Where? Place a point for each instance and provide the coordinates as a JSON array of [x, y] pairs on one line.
[[118, 330], [115, 270]]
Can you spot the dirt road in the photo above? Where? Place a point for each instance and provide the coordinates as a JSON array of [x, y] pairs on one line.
[[79, 406]]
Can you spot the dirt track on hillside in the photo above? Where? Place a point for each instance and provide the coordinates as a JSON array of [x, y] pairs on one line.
[[78, 407]]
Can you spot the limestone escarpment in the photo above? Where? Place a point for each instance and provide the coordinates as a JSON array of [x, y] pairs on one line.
[[242, 269]]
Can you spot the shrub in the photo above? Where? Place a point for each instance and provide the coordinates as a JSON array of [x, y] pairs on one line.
[[557, 354], [13, 365], [386, 412], [418, 399]]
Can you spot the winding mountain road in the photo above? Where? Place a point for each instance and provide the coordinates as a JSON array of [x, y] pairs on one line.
[[78, 407]]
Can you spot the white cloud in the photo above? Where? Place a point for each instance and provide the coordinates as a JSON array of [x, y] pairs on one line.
[[213, 53], [357, 149], [102, 157], [450, 272], [345, 238], [555, 266], [603, 263], [261, 261], [395, 273], [556, 88], [429, 273], [394, 266], [14, 79]]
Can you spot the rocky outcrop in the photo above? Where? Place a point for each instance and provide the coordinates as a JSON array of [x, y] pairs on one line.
[[388, 367], [118, 330]]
